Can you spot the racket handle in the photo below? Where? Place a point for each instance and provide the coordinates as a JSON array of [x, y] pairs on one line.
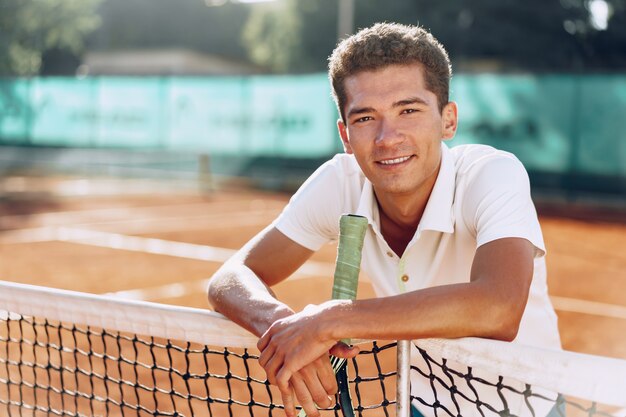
[[351, 235]]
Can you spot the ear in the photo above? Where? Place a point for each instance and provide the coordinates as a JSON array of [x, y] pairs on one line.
[[449, 120], [343, 134]]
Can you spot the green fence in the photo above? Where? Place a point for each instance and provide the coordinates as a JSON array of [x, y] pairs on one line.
[[553, 123], [286, 116]]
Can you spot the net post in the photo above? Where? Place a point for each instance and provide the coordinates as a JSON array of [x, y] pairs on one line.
[[205, 180], [403, 384]]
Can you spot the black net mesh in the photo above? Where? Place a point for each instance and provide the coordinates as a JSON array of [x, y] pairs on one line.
[[450, 389], [49, 368]]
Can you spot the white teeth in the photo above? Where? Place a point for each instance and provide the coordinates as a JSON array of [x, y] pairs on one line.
[[394, 161]]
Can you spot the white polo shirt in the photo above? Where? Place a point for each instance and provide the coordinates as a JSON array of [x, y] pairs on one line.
[[481, 194]]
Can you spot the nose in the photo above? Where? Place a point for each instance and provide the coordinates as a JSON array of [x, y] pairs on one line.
[[388, 134]]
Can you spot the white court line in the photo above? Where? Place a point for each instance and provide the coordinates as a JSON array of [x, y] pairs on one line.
[[145, 245], [310, 269], [60, 218], [588, 307], [101, 212], [154, 225], [188, 223], [39, 234], [215, 254], [180, 290], [170, 248], [176, 290]]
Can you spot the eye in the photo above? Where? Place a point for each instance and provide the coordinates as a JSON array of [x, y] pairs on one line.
[[363, 119], [408, 111]]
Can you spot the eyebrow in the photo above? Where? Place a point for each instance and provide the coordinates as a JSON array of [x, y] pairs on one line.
[[399, 103], [409, 101], [360, 110]]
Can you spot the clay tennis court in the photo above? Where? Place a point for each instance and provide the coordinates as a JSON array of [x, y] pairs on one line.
[[163, 247], [586, 258]]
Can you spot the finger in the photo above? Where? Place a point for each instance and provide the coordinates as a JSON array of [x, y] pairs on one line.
[[315, 384], [341, 350], [326, 375], [266, 354], [283, 377], [304, 396], [272, 367], [286, 393], [264, 340]]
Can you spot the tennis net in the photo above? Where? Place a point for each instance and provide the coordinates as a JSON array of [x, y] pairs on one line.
[[71, 354]]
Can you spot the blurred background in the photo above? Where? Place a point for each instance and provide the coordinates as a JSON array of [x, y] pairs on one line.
[[143, 141], [216, 90]]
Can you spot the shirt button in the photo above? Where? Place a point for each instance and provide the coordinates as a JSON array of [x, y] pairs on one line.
[[390, 254], [404, 278]]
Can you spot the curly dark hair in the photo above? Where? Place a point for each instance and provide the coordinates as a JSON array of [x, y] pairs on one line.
[[386, 44]]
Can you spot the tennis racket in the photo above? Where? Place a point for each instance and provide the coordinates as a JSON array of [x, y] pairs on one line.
[[351, 234]]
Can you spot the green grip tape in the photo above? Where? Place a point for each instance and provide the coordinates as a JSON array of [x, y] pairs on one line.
[[351, 235]]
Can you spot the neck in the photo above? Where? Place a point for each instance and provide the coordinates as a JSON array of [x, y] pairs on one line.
[[401, 213], [406, 209]]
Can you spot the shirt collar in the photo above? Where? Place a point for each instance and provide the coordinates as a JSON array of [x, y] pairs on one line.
[[438, 214], [368, 206]]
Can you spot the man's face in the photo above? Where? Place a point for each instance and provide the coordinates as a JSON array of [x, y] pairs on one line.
[[394, 128]]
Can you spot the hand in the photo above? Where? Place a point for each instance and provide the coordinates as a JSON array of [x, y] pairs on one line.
[[313, 386], [294, 354]]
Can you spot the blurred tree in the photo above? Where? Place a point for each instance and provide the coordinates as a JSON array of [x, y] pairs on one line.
[[269, 37], [525, 35], [607, 45], [534, 35], [189, 24], [292, 35], [47, 36], [30, 28]]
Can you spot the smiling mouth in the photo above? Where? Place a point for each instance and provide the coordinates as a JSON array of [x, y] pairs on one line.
[[395, 161]]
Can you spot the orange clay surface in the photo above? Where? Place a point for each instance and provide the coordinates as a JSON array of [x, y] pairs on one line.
[[586, 259]]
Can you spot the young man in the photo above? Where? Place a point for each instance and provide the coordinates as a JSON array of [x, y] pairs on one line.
[[453, 246]]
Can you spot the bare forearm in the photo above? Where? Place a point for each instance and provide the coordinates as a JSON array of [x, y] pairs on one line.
[[450, 311], [491, 305], [240, 295]]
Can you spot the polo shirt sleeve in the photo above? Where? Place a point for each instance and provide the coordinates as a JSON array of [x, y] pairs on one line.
[[498, 204], [311, 217]]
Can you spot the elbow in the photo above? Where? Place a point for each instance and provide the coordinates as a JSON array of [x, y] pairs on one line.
[[492, 314], [504, 317], [507, 333], [212, 292], [217, 284], [505, 322]]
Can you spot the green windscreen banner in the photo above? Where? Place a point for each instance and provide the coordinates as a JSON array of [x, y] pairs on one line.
[[558, 123], [255, 116], [553, 123]]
